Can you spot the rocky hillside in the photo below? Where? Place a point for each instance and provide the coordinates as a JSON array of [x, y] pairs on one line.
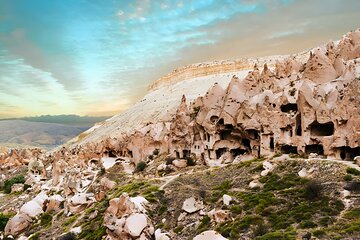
[[266, 153]]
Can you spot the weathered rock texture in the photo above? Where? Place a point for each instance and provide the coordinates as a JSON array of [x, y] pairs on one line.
[[294, 106]]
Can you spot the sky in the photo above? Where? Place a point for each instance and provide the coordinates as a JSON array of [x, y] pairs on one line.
[[97, 57]]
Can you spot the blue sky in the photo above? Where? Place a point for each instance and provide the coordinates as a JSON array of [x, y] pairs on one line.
[[93, 57]]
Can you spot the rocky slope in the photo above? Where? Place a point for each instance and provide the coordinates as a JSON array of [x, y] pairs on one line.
[[238, 154]]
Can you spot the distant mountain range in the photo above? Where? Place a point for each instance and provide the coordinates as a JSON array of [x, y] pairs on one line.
[[72, 119], [46, 131]]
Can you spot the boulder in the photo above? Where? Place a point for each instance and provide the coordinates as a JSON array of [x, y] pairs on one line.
[[107, 184], [135, 224], [219, 216], [32, 209], [17, 224], [191, 205], [17, 187], [303, 173], [179, 163], [209, 235], [226, 199], [357, 160]]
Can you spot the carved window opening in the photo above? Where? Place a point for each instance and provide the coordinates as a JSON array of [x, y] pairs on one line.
[[314, 148], [348, 153], [289, 107], [237, 152], [272, 144], [219, 152], [186, 153], [322, 129], [287, 149], [298, 125], [246, 143]]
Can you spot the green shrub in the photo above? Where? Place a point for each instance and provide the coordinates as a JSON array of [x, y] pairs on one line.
[[204, 224], [140, 166], [45, 219], [318, 233], [307, 224], [348, 177], [190, 161], [353, 171], [353, 213], [4, 218], [8, 183], [313, 190]]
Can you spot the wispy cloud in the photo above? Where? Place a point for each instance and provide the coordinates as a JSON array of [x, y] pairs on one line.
[[90, 56]]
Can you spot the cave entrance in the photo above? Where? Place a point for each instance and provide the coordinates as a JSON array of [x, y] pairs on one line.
[[111, 153], [272, 145], [225, 135], [348, 153], [287, 149], [314, 148], [298, 125], [237, 152], [219, 152], [289, 107], [246, 143], [130, 154], [253, 134], [186, 153], [322, 129]]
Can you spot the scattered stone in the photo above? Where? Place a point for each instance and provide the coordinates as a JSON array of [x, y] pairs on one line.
[[219, 216], [209, 235], [227, 199], [191, 205], [161, 236], [17, 187], [303, 173], [135, 223], [107, 184]]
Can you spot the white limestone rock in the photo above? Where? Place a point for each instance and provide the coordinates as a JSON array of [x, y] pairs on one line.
[[161, 236], [32, 209], [209, 235], [135, 224], [227, 199], [303, 173], [191, 205]]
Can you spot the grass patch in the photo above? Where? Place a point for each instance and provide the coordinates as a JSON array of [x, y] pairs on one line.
[[353, 171], [46, 219]]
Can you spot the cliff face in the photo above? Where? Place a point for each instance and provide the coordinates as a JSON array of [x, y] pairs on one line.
[[288, 105]]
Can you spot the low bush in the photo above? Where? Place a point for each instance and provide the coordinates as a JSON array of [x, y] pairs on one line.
[[313, 190], [190, 161], [4, 218], [353, 171], [8, 183], [140, 166], [45, 219], [348, 177]]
